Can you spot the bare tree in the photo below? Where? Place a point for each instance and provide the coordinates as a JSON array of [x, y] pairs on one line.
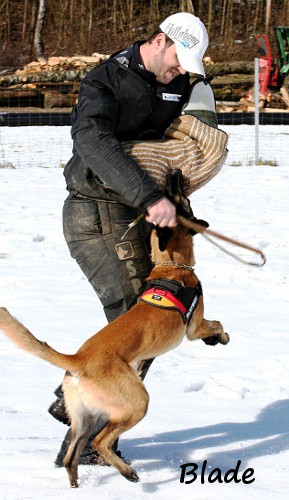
[[186, 6], [256, 17], [5, 7], [224, 14], [38, 42], [210, 15], [24, 25], [268, 15]]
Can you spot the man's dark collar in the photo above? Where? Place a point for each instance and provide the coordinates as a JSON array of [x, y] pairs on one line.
[[137, 65]]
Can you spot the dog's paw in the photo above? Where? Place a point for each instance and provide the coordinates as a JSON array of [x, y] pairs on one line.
[[219, 338], [211, 340], [131, 476]]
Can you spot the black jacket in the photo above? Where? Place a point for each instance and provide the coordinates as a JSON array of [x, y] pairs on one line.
[[119, 100]]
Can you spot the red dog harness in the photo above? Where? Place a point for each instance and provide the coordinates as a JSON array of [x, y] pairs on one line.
[[169, 294]]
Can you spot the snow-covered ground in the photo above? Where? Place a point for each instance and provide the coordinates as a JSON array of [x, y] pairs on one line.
[[227, 405]]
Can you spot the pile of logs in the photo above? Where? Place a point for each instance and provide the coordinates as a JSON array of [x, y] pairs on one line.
[[51, 83], [235, 80], [54, 83]]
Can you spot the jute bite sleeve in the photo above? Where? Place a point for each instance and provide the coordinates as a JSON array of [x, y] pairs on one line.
[[188, 144]]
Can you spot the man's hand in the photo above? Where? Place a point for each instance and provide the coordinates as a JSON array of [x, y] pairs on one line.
[[162, 213]]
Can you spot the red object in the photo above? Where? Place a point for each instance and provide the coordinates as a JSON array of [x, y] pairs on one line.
[[265, 62]]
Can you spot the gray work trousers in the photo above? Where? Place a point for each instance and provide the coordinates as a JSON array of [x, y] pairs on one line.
[[115, 268]]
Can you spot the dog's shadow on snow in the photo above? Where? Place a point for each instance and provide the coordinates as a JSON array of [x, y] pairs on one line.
[[268, 434]]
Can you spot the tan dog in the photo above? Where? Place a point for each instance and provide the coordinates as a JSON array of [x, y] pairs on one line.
[[101, 386]]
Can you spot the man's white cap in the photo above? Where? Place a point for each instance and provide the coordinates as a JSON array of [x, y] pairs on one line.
[[191, 39]]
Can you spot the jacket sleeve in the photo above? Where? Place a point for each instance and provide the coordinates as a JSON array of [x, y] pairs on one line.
[[95, 141]]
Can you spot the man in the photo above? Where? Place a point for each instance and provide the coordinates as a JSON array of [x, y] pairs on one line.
[[135, 94]]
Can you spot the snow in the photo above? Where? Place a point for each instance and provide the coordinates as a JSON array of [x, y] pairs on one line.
[[220, 404]]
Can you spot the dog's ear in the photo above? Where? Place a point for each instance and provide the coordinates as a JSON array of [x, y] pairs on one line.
[[176, 194], [163, 234], [175, 185], [201, 222]]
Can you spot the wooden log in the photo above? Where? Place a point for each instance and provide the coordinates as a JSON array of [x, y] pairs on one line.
[[50, 97], [44, 76], [284, 93], [248, 104], [228, 103], [59, 100], [228, 106], [275, 110], [233, 80], [16, 94], [228, 68], [20, 97], [230, 92]]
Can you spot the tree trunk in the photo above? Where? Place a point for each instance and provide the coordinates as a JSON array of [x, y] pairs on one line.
[[24, 25], [268, 15], [38, 42], [186, 6]]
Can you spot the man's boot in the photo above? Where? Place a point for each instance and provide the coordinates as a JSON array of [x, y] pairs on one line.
[[57, 409], [89, 455]]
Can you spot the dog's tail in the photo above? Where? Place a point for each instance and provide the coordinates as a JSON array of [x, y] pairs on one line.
[[24, 339]]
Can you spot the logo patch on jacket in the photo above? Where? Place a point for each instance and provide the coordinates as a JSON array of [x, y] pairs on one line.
[[171, 97], [124, 250]]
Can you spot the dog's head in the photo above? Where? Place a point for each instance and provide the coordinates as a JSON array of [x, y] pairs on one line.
[[175, 244]]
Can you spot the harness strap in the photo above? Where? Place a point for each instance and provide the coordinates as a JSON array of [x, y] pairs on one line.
[[169, 294]]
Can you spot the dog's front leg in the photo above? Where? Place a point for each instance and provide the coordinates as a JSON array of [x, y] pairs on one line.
[[216, 333], [211, 332]]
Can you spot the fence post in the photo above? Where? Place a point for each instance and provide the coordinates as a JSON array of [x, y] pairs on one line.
[[256, 102]]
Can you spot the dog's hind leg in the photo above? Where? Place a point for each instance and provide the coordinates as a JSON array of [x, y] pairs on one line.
[[104, 447], [130, 410], [81, 428]]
